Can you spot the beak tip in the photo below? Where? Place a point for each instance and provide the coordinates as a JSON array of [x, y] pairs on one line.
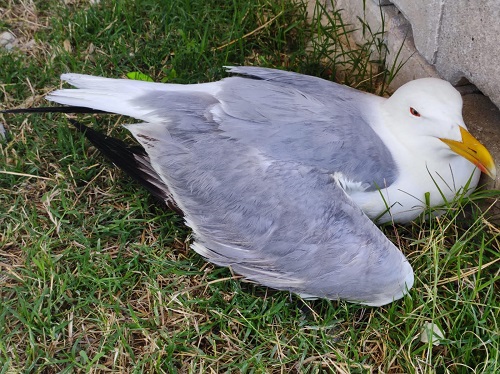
[[471, 149]]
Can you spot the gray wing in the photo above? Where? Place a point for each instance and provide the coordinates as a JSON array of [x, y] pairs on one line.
[[281, 223], [325, 124], [249, 162], [291, 117]]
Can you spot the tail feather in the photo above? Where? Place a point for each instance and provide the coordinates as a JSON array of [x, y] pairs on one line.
[[119, 95], [106, 94], [108, 101]]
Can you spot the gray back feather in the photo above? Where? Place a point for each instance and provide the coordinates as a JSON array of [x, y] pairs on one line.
[[298, 118]]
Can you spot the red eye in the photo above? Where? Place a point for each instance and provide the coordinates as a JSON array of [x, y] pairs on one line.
[[414, 112]]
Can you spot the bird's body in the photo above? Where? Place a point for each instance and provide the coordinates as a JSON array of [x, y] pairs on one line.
[[273, 171]]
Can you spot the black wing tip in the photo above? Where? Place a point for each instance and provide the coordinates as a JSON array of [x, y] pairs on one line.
[[121, 154], [55, 109], [78, 125], [133, 160]]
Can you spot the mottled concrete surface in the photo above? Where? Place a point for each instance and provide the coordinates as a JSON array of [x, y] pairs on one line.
[[482, 118]]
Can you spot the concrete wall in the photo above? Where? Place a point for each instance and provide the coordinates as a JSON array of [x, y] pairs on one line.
[[457, 40], [461, 38]]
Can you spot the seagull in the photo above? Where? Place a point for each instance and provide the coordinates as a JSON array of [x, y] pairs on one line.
[[282, 176]]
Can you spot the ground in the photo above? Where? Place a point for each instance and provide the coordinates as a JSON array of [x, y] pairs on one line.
[[96, 276]]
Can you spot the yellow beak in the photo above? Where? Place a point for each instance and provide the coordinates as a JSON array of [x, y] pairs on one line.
[[475, 152]]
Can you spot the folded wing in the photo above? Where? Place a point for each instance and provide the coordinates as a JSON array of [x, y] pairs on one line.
[[254, 181]]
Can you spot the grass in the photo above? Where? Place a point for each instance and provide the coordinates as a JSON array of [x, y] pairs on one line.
[[97, 277]]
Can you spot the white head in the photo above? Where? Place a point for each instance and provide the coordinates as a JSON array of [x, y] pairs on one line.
[[426, 116]]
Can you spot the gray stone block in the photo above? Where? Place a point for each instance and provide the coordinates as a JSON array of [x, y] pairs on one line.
[[469, 45], [425, 23], [402, 56], [482, 118], [367, 11], [456, 38]]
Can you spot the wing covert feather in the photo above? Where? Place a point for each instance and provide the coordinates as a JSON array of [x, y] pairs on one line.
[[323, 129], [280, 223]]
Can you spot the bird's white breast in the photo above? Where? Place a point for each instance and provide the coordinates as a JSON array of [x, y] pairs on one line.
[[418, 187]]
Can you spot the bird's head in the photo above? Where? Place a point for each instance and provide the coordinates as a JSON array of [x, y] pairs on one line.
[[426, 114]]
